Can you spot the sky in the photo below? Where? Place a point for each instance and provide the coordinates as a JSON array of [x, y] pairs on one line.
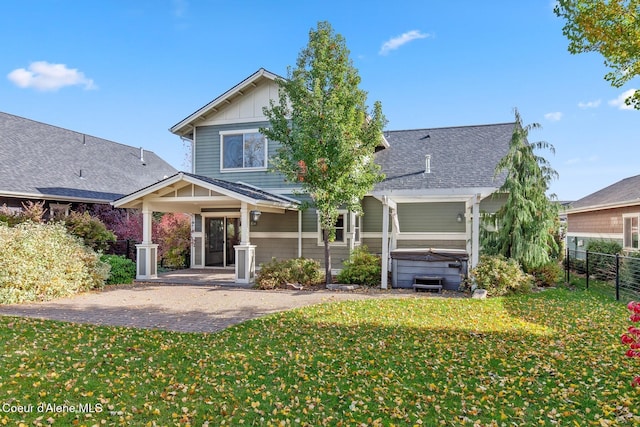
[[128, 70]]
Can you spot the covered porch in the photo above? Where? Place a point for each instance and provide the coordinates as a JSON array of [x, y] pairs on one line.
[[222, 213], [461, 225]]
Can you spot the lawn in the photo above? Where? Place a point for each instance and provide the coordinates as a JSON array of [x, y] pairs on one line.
[[552, 358]]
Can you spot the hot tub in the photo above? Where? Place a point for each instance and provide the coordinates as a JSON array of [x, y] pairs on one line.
[[451, 265]]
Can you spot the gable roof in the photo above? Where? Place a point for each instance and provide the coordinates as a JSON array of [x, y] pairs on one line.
[[461, 157], [623, 192], [236, 190], [185, 126], [42, 161]]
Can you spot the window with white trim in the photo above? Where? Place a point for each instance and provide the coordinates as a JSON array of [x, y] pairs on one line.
[[340, 227], [630, 231], [243, 150]]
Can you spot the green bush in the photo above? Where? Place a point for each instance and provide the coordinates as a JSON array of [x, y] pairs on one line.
[[123, 270], [90, 229], [548, 274], [362, 268], [275, 274], [501, 276], [601, 265], [39, 262]]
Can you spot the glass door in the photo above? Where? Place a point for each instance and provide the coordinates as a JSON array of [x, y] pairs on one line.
[[221, 235], [214, 242]]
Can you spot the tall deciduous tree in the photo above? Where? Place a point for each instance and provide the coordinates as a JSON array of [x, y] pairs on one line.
[[527, 219], [327, 135], [610, 27]]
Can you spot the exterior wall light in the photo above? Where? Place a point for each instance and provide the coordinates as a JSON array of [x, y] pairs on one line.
[[460, 217], [255, 216]]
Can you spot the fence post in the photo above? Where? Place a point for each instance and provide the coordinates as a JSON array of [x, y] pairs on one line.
[[587, 267], [617, 277], [568, 266]]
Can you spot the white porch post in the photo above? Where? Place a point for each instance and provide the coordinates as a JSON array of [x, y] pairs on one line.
[[385, 243], [147, 251], [475, 234], [245, 251]]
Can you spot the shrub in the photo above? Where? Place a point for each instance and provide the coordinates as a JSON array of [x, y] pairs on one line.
[[362, 268], [39, 262], [91, 230], [31, 211], [174, 239], [123, 270], [500, 276], [547, 274], [275, 274]]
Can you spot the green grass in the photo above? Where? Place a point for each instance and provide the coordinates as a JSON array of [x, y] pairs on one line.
[[552, 358]]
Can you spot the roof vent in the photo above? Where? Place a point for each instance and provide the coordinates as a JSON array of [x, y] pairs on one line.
[[427, 163], [142, 157]]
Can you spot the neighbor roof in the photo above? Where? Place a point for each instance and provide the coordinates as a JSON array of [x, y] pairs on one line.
[[41, 161], [624, 192], [460, 157]]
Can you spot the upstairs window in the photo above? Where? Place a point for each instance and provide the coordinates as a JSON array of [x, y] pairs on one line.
[[243, 150], [630, 228]]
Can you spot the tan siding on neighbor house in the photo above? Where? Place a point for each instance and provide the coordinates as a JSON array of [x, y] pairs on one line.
[[599, 222]]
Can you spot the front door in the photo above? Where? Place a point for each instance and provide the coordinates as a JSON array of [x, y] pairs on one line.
[[222, 234]]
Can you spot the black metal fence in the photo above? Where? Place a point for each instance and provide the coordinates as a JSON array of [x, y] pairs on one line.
[[123, 247], [616, 275]]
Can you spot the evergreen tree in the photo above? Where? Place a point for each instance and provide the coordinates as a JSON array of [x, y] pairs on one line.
[[327, 135], [525, 223]]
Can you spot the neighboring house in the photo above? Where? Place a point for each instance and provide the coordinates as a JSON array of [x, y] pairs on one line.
[[612, 213], [63, 168], [437, 183]]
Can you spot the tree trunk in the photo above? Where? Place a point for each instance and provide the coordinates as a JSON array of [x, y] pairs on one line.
[[327, 257]]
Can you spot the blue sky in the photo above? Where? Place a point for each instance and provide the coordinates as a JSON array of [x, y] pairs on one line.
[[127, 70]]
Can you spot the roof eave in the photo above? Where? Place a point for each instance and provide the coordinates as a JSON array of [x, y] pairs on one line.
[[634, 202]]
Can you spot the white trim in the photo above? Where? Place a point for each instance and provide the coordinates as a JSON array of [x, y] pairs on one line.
[[625, 204], [243, 132], [48, 197]]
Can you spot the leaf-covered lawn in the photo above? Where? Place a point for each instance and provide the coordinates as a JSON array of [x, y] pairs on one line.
[[553, 358]]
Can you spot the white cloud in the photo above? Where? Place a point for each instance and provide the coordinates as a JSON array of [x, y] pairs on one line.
[[619, 101], [44, 76], [553, 117], [396, 42], [589, 104]]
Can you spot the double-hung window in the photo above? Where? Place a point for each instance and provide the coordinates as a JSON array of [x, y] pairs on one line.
[[340, 228], [630, 231], [243, 150]]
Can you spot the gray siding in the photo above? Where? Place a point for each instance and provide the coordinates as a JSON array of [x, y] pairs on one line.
[[207, 157], [279, 248], [430, 217], [272, 222], [492, 203], [372, 219]]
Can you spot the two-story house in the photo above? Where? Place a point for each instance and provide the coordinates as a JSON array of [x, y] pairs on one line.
[[438, 180]]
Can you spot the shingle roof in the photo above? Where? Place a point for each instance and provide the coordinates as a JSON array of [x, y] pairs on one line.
[[626, 190], [244, 189], [50, 162], [461, 157]]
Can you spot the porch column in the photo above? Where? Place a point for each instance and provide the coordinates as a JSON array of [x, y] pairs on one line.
[[385, 244], [475, 233], [245, 251], [147, 251]]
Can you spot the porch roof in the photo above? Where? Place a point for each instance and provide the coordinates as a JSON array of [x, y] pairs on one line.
[[204, 192]]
